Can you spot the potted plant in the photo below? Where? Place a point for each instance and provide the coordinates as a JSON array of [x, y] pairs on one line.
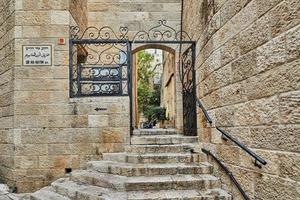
[[155, 114]]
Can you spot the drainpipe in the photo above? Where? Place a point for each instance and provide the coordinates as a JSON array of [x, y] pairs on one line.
[[181, 22], [180, 45]]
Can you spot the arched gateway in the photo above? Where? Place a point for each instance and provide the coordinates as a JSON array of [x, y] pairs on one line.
[[101, 64]]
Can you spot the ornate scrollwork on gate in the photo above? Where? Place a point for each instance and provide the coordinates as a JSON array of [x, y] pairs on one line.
[[160, 32], [103, 33], [187, 70], [99, 69], [99, 62]]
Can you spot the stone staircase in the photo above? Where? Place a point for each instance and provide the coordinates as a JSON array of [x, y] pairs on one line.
[[158, 165]]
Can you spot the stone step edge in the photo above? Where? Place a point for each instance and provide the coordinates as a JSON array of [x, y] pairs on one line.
[[155, 132], [164, 137], [190, 145], [163, 140], [123, 157], [47, 193], [77, 190], [149, 169], [131, 157], [180, 194], [147, 165], [121, 183], [67, 188]]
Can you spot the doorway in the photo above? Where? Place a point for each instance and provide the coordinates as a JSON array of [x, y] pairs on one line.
[[154, 87]]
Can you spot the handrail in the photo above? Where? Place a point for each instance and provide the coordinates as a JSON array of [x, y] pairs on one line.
[[228, 136], [229, 173], [204, 111], [254, 155]]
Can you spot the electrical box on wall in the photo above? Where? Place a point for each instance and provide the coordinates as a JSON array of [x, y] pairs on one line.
[[61, 41]]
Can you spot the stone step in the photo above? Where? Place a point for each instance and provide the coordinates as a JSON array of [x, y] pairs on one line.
[[151, 158], [80, 191], [163, 139], [128, 169], [175, 148], [99, 179], [215, 194], [157, 131], [47, 193], [121, 183]]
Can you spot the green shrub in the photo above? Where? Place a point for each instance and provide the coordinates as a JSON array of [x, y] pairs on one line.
[[155, 113]]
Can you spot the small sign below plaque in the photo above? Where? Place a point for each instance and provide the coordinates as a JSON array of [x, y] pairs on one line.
[[37, 55]]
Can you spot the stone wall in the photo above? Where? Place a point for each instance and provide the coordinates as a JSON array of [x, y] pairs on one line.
[[42, 130], [7, 54], [168, 85], [135, 14], [42, 112], [248, 74]]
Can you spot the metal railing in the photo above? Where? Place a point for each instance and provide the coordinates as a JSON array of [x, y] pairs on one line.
[[207, 117], [227, 136], [229, 173]]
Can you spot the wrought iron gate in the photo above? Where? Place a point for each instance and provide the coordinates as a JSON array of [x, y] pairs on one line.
[[100, 63], [189, 91], [99, 66]]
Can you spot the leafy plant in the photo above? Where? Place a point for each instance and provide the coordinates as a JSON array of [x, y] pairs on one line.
[[155, 113], [147, 94]]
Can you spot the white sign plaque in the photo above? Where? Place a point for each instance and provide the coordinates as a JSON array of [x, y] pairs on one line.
[[37, 55]]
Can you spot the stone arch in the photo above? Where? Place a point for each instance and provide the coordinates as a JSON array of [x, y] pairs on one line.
[[154, 46]]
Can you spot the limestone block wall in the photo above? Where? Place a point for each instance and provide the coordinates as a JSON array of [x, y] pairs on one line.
[[42, 130], [42, 112], [7, 54], [248, 71], [135, 14], [168, 97]]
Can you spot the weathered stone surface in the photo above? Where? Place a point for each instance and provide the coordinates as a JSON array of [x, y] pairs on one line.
[[278, 80], [112, 136], [292, 43], [289, 166], [276, 137], [32, 18], [217, 79], [255, 35], [289, 107], [270, 187], [229, 154], [224, 116], [255, 100], [257, 112], [271, 54], [244, 67], [60, 17], [98, 120], [230, 50], [284, 17], [230, 8], [210, 65]]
